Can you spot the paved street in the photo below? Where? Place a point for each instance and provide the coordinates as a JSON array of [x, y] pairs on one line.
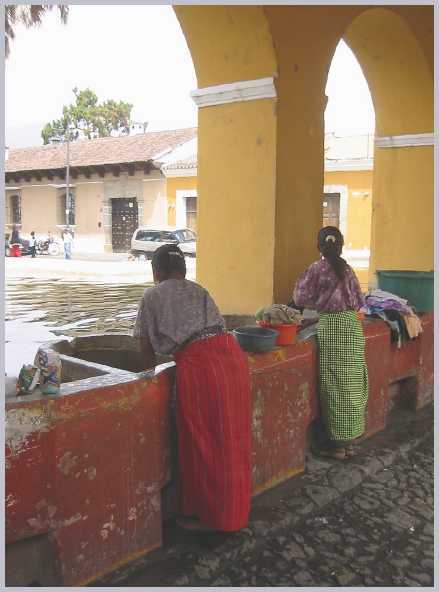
[[363, 522]]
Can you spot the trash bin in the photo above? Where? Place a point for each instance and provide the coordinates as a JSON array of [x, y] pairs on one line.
[[415, 286], [15, 250]]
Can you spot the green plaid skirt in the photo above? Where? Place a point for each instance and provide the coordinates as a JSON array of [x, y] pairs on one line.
[[343, 374]]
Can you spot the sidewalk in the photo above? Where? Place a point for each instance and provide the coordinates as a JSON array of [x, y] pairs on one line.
[[366, 521], [106, 266]]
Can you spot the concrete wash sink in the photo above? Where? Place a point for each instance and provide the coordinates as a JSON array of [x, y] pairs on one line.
[[99, 355], [112, 353]]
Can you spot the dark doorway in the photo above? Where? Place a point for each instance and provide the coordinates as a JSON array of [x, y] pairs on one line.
[[331, 209], [124, 221]]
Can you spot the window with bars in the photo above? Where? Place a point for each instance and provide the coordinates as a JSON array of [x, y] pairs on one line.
[[16, 209], [191, 212]]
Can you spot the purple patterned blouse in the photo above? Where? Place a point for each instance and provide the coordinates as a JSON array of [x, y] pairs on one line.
[[317, 289]]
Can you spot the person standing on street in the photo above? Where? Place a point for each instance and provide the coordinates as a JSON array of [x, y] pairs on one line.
[[33, 244], [67, 240]]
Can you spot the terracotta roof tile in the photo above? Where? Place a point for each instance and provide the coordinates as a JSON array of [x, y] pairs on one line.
[[137, 148], [185, 163]]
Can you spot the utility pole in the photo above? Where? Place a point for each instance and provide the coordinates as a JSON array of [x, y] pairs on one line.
[[65, 135], [68, 200]]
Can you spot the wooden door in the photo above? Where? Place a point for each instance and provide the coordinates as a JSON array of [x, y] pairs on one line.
[[331, 209], [124, 221]]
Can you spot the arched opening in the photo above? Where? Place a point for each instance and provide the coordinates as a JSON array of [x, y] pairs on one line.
[[348, 176], [392, 46]]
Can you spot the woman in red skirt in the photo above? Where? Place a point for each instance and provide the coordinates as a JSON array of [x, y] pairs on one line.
[[179, 317]]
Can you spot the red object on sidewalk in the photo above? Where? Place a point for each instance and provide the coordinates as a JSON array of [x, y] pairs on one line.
[[15, 251]]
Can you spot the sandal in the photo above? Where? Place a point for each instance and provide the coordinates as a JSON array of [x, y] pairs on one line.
[[337, 453]]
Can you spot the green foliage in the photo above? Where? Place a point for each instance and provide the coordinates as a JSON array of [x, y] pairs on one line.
[[87, 118]]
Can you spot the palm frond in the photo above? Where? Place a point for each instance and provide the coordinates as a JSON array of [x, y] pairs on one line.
[[30, 15]]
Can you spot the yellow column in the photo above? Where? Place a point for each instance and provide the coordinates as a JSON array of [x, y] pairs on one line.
[[236, 203]]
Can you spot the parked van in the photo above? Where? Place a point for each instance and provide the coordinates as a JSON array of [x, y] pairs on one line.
[[146, 240]]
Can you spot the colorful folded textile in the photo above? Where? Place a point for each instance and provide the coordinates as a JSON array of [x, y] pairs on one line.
[[278, 314]]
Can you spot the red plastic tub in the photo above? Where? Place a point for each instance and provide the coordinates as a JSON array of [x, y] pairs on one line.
[[287, 332]]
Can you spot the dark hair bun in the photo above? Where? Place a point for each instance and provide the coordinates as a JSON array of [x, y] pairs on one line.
[[330, 244], [168, 259]]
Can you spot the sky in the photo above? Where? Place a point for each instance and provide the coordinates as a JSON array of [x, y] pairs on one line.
[[136, 54]]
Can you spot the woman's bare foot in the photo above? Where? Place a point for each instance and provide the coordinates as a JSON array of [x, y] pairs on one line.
[[331, 452], [350, 452], [194, 524]]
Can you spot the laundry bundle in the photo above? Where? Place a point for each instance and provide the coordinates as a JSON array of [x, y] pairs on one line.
[[279, 314], [396, 312]]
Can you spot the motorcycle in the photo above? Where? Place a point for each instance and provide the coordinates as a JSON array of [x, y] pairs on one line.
[[47, 247]]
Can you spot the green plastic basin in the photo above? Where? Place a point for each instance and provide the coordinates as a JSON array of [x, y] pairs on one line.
[[256, 339], [415, 286]]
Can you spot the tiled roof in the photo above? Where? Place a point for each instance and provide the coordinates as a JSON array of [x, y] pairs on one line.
[[185, 163], [137, 148], [355, 148]]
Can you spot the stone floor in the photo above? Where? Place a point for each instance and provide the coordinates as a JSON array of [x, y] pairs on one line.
[[363, 522]]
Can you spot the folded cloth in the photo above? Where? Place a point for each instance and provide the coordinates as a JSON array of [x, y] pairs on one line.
[[379, 300], [278, 314], [413, 325], [383, 295]]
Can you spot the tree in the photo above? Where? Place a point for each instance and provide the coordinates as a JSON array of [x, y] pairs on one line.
[[30, 15], [87, 118]]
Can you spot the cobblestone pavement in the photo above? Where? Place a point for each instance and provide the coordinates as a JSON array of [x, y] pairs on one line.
[[363, 522]]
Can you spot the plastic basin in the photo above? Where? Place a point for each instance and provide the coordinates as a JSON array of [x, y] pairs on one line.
[[287, 332], [415, 286], [256, 339]]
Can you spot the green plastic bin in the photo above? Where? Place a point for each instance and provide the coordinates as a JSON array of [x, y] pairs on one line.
[[415, 286]]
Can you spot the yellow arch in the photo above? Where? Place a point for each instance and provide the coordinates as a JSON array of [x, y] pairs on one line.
[[227, 43], [396, 69], [260, 172]]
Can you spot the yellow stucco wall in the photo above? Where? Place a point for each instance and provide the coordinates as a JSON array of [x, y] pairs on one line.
[[88, 208], [174, 184], [403, 234], [359, 207], [38, 209], [154, 202], [88, 213]]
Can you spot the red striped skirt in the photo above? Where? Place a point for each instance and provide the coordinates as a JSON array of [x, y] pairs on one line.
[[214, 434]]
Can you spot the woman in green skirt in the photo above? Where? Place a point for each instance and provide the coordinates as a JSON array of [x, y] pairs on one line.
[[331, 287]]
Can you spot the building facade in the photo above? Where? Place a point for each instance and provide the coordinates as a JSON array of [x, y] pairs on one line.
[[115, 185]]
